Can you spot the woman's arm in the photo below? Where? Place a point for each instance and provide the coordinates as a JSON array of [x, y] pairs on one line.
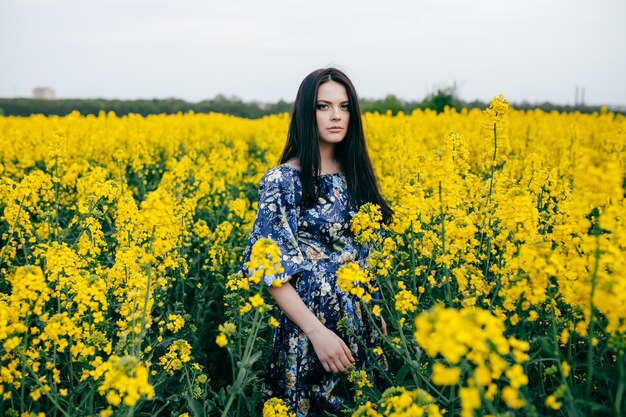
[[330, 349]]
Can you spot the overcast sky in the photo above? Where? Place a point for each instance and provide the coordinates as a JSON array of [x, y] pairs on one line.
[[532, 50]]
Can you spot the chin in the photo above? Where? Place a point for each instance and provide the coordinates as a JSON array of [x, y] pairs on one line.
[[333, 140]]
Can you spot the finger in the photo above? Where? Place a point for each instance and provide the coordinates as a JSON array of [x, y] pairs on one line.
[[333, 368], [326, 367], [341, 367], [345, 361], [347, 352]]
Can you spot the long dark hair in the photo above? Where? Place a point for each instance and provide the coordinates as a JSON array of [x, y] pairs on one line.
[[303, 143]]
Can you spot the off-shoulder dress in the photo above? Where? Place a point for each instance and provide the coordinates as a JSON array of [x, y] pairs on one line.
[[314, 243]]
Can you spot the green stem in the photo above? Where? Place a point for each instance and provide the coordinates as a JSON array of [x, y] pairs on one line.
[[402, 353], [243, 372], [56, 198], [145, 301], [413, 261], [591, 321], [487, 403], [11, 233], [24, 364], [491, 175], [557, 358], [443, 246], [620, 388], [40, 386]]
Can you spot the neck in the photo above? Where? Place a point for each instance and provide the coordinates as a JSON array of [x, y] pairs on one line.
[[328, 163]]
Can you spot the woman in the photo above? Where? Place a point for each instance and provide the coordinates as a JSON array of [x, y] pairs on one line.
[[305, 206]]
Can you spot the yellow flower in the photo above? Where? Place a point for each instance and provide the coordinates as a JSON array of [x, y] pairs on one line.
[[113, 398], [376, 310], [257, 301], [398, 401], [511, 397], [406, 301], [516, 376], [228, 328], [275, 407], [238, 207], [125, 380], [178, 353], [552, 402], [175, 322], [245, 308], [351, 279], [445, 376], [264, 260], [482, 375], [365, 223], [470, 400], [221, 340], [566, 369]]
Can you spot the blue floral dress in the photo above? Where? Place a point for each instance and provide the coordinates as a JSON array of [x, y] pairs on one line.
[[314, 242]]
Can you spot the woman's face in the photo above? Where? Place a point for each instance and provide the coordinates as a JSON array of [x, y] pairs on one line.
[[331, 112]]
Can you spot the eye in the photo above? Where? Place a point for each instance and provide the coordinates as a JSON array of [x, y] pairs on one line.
[[345, 106], [321, 106]]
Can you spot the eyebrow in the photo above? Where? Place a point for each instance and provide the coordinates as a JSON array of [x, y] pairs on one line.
[[329, 102]]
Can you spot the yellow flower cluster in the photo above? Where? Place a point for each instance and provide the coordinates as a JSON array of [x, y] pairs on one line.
[[218, 253], [264, 261], [175, 322], [256, 301], [443, 375], [360, 380], [382, 260], [178, 353], [226, 330], [275, 407], [365, 224], [475, 336], [399, 402], [353, 280], [124, 380], [406, 301], [29, 293]]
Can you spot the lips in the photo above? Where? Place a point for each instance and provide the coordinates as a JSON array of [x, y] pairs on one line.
[[335, 129]]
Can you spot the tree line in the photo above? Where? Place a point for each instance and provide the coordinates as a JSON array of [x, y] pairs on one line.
[[436, 101]]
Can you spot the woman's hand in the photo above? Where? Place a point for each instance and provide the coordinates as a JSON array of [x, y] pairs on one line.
[[384, 326], [331, 350]]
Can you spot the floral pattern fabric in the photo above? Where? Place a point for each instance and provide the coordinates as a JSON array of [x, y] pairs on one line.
[[313, 242]]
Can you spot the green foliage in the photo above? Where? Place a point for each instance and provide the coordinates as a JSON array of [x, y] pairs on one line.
[[446, 96], [437, 100], [62, 107]]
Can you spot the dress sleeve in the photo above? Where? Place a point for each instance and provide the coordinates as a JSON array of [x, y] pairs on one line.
[[277, 219]]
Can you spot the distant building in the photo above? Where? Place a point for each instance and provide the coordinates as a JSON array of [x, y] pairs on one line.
[[261, 105], [45, 93]]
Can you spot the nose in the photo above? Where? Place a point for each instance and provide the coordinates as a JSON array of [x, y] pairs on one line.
[[336, 114]]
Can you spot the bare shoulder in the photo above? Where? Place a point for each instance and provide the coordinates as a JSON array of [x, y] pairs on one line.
[[293, 163]]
